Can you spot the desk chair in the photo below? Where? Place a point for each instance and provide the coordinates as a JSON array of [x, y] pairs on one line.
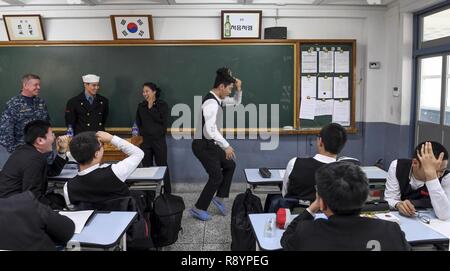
[[293, 204], [138, 235]]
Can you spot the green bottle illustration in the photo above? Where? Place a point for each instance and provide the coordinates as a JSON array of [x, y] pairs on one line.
[[227, 27]]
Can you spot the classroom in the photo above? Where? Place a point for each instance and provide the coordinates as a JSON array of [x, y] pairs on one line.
[[373, 75]]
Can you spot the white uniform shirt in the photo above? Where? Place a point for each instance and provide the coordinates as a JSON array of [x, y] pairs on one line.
[[439, 192], [210, 109]]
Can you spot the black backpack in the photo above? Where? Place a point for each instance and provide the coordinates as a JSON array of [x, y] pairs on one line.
[[242, 235], [166, 219]]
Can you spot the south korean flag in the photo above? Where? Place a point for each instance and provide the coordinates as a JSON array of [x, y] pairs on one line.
[[132, 27]]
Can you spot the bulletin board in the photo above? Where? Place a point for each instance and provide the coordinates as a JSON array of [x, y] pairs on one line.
[[327, 84]]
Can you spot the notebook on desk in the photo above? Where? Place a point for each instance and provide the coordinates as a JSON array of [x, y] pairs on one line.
[[79, 218]]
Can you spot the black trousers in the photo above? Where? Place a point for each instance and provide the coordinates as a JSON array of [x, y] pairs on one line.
[[156, 150], [219, 169]]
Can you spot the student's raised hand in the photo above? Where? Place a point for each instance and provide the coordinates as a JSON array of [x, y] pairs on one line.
[[229, 153], [104, 137], [315, 205], [238, 84], [62, 143], [429, 162], [406, 208]]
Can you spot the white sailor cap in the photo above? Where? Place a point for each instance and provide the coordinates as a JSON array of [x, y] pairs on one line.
[[91, 78]]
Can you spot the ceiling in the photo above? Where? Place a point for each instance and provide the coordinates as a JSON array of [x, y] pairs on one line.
[[249, 3]]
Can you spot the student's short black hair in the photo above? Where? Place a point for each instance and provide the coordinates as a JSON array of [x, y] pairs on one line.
[[333, 137], [437, 149], [343, 187], [153, 87], [83, 147], [35, 129], [223, 76]]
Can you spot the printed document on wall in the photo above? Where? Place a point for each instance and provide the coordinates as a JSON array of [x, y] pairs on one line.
[[324, 107], [326, 59], [308, 109], [342, 62], [309, 87], [341, 87], [309, 62], [325, 90], [341, 112]]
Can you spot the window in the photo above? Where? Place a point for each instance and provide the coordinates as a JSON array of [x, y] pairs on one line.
[[436, 26], [447, 94], [430, 89]]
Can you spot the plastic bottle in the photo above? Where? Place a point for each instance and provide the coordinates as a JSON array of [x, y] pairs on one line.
[[269, 228], [69, 131], [134, 130]]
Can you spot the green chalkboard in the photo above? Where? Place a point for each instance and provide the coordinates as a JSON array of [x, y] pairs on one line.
[[181, 70], [332, 47]]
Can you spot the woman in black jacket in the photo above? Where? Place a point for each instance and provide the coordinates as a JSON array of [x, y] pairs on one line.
[[151, 119]]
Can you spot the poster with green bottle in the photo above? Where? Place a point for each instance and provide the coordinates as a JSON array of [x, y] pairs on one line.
[[241, 24]]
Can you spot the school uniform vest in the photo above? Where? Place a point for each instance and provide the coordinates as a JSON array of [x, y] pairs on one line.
[[302, 179], [97, 186], [420, 196], [208, 96]]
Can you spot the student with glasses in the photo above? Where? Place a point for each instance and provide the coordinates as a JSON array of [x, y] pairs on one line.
[[27, 167], [420, 182]]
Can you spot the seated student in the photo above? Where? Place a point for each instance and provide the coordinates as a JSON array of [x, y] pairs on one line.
[[298, 181], [420, 182], [342, 189], [95, 183], [27, 224], [27, 167]]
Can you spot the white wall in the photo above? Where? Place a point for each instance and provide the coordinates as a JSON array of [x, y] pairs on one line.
[[376, 30]]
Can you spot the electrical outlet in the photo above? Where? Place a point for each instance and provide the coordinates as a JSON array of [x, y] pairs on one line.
[[374, 65], [395, 92]]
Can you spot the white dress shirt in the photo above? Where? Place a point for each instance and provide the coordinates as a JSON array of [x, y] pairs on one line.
[[210, 109], [122, 169], [290, 166], [439, 192]]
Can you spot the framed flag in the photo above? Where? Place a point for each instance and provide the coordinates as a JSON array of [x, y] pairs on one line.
[[24, 27], [132, 27]]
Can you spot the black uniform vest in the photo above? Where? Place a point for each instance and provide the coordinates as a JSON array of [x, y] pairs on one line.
[[97, 186]]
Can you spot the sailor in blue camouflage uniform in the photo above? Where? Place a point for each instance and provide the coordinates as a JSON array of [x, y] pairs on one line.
[[20, 110]]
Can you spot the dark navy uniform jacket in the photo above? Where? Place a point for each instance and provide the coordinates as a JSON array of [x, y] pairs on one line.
[[86, 117]]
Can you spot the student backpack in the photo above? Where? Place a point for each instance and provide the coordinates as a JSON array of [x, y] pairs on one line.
[[242, 235], [166, 218]]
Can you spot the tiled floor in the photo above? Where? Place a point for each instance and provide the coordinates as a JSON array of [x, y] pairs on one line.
[[212, 235]]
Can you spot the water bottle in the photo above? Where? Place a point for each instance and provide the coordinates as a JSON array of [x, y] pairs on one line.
[[269, 228], [134, 130], [69, 131]]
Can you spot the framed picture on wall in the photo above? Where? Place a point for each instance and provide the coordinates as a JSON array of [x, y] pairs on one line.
[[132, 27], [24, 27], [241, 24]]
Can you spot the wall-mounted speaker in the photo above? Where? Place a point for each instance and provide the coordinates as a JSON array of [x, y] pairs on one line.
[[277, 32]]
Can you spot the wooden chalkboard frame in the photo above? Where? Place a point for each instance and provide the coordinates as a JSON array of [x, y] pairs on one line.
[[330, 42], [122, 130]]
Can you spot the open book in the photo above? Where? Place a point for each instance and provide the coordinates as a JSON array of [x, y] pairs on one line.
[[80, 218]]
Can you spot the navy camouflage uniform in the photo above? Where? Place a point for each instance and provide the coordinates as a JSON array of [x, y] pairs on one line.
[[17, 114]]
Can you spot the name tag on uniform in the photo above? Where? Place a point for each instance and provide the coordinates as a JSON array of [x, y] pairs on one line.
[[25, 109]]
